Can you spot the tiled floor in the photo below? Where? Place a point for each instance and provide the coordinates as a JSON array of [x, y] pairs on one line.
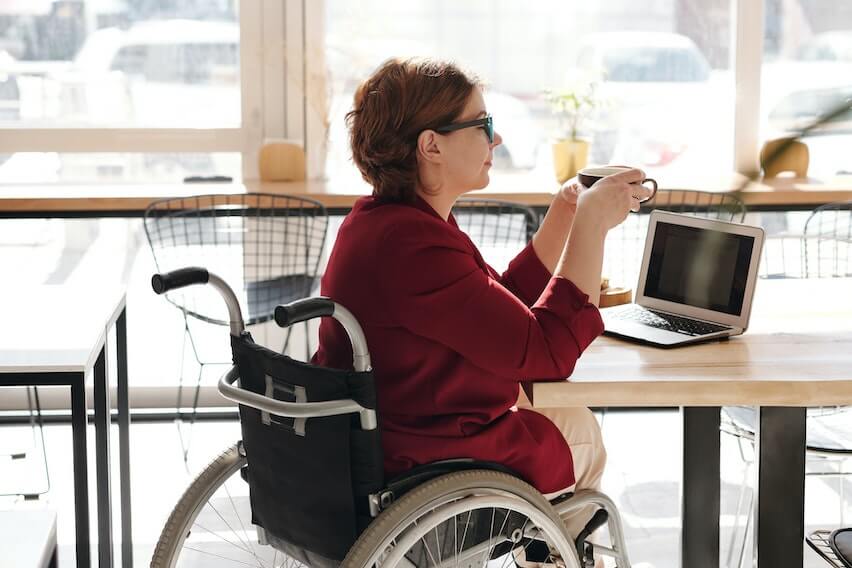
[[642, 476]]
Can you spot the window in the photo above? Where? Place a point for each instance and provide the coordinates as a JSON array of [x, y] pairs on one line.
[[806, 44], [666, 83], [140, 86]]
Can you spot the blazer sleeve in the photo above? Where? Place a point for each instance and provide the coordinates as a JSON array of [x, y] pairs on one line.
[[526, 276], [434, 287]]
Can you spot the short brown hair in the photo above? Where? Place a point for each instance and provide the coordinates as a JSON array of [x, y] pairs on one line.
[[391, 108]]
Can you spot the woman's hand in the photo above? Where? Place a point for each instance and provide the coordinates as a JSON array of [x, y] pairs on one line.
[[611, 198], [551, 236], [570, 192]]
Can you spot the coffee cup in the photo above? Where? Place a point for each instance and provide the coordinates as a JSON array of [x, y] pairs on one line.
[[588, 177]]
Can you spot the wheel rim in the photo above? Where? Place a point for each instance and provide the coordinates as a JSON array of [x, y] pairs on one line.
[[434, 530]]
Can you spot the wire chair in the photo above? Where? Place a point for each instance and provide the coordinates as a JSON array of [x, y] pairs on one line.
[[624, 244], [827, 241], [499, 229], [268, 246]]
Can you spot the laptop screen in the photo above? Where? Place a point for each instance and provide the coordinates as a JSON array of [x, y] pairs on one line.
[[699, 267]]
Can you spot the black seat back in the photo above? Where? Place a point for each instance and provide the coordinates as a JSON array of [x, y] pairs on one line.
[[308, 479]]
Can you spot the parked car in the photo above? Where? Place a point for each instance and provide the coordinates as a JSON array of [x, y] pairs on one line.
[[656, 86], [155, 74], [835, 45], [169, 73], [790, 106], [10, 95]]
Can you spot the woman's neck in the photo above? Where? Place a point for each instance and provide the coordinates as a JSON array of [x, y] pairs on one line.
[[441, 203]]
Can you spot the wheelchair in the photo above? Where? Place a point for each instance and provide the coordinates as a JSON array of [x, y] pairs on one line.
[[305, 485]]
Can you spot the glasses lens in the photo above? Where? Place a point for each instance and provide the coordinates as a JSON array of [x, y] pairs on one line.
[[489, 129]]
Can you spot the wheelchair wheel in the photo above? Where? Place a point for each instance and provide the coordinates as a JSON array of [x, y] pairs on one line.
[[470, 519], [211, 524]]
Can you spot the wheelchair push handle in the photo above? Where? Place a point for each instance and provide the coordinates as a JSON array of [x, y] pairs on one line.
[[301, 310], [162, 283], [182, 277], [308, 308]]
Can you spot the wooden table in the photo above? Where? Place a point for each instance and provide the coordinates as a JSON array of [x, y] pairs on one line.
[[57, 335], [100, 200], [796, 353]]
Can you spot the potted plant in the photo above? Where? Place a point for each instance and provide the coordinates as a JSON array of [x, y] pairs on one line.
[[572, 104]]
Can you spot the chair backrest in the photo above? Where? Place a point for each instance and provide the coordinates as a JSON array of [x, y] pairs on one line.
[[707, 204], [268, 247], [624, 244], [499, 229], [827, 241]]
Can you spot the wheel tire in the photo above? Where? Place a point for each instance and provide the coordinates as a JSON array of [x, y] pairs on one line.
[[193, 499], [401, 514]]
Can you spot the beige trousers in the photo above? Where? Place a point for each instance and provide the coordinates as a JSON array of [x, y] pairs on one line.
[[583, 434]]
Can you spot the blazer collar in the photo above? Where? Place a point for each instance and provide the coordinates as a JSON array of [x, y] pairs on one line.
[[423, 205]]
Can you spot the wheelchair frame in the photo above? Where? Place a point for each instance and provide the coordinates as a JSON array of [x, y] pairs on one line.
[[441, 492]]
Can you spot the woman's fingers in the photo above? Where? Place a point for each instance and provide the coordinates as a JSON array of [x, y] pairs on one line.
[[641, 192], [635, 204], [633, 175]]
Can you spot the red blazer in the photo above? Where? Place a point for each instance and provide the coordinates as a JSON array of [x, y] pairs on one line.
[[451, 340]]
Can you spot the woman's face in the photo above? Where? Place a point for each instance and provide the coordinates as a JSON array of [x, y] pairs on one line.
[[467, 152]]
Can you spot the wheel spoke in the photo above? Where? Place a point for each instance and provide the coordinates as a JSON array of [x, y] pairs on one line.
[[242, 525], [223, 539], [208, 553]]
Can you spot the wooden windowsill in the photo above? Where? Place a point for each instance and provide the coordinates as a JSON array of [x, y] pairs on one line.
[[525, 188]]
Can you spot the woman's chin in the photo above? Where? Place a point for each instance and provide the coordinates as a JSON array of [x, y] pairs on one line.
[[483, 181]]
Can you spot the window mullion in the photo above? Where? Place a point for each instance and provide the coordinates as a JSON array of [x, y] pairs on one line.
[[251, 83], [747, 52]]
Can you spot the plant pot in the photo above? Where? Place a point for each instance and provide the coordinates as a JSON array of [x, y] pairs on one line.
[[569, 156]]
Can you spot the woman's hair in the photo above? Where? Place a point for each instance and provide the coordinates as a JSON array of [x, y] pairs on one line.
[[391, 108]]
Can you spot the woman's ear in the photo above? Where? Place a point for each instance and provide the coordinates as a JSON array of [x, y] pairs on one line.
[[428, 146]]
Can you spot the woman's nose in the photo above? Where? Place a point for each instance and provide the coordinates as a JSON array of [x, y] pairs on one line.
[[497, 139]]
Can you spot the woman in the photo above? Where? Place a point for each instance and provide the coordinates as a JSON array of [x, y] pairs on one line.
[[451, 340]]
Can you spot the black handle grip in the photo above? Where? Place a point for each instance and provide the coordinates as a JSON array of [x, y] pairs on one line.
[[162, 283], [301, 310]]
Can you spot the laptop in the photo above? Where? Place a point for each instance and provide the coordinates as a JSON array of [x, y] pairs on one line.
[[696, 282]]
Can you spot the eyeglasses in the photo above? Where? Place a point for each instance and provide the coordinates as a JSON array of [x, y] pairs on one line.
[[486, 124]]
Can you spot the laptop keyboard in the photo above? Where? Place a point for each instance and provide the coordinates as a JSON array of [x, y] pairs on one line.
[[669, 322]]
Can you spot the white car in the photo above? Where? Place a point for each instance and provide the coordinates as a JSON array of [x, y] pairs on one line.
[[156, 74], [835, 45], [170, 73], [788, 107], [656, 88]]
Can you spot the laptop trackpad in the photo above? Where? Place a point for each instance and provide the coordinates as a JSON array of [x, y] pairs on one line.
[[638, 331]]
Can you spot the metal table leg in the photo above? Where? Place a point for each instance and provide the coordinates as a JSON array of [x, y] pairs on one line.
[[701, 488], [102, 461], [779, 524], [124, 439], [81, 477]]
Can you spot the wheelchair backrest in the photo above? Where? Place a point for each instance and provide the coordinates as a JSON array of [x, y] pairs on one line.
[[308, 478]]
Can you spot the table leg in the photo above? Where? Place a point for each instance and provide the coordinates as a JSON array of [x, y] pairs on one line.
[[102, 461], [701, 488], [124, 439], [81, 476], [779, 506]]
